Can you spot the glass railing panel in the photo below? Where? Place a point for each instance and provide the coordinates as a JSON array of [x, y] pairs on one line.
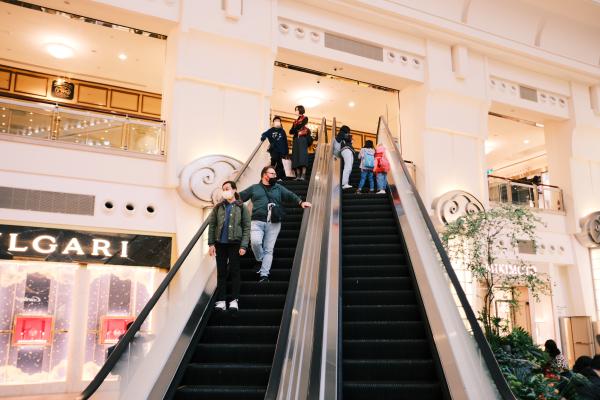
[[543, 197], [84, 128]]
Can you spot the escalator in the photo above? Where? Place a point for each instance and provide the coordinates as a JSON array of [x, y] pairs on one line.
[[232, 356], [386, 348]]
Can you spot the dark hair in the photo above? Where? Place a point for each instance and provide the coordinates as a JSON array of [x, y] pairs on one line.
[[265, 169], [369, 144], [551, 348], [596, 362], [582, 363], [276, 117], [300, 109], [233, 186], [344, 129]]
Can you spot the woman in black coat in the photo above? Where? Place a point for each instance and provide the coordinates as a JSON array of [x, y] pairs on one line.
[[278, 147], [300, 134]]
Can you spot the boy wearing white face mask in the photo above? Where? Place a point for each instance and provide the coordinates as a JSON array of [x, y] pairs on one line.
[[278, 146], [228, 237]]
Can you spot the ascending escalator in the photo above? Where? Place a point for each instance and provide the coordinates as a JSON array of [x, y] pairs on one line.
[[386, 349], [233, 354]]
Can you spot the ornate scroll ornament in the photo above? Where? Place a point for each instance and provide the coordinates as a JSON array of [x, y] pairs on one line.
[[200, 181], [590, 230], [452, 205]]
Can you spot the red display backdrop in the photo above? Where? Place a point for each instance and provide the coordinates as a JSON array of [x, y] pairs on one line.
[[32, 330], [111, 328]]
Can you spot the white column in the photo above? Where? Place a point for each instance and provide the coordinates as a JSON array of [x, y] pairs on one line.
[[77, 329]]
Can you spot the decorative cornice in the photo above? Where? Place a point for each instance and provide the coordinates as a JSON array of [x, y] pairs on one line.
[[454, 204], [200, 181]]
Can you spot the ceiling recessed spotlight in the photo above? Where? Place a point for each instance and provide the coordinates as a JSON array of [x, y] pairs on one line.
[[122, 56], [59, 50], [526, 141], [351, 104]]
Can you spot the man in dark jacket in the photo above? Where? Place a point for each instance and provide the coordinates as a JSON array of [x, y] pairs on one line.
[[278, 146], [263, 231]]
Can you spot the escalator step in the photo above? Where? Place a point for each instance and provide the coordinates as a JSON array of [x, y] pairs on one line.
[[368, 297], [369, 230], [240, 334], [368, 390], [384, 330], [381, 312], [233, 352], [377, 283], [268, 301], [389, 369], [373, 239], [224, 392], [246, 316], [377, 259], [375, 270], [371, 248], [386, 348], [220, 373]]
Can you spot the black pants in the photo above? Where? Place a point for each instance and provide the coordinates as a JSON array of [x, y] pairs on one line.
[[228, 264], [277, 163]]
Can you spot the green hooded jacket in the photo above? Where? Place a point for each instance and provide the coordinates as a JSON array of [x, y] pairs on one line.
[[239, 224]]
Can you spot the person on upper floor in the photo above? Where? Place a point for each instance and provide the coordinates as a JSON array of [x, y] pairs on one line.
[[228, 239], [267, 200], [382, 166], [367, 163], [344, 138], [300, 143], [278, 146]]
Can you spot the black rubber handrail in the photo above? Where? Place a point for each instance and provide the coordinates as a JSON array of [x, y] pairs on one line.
[[286, 319], [124, 342], [486, 351]]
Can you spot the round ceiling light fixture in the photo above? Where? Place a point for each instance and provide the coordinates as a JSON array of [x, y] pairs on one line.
[[351, 104], [59, 50], [122, 56], [309, 101]]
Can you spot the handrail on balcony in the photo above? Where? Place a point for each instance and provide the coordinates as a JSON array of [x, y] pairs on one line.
[[537, 196]]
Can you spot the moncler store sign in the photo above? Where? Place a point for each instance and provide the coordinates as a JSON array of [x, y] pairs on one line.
[[63, 245]]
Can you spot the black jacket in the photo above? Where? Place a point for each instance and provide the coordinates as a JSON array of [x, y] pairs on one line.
[[278, 140]]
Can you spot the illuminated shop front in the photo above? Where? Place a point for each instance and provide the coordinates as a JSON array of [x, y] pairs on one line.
[[66, 296]]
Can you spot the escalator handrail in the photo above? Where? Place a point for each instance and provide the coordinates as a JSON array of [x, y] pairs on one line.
[[484, 347], [124, 342], [286, 319]]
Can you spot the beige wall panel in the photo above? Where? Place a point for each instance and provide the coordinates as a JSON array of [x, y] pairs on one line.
[[151, 105], [31, 84], [92, 95], [124, 100], [4, 80]]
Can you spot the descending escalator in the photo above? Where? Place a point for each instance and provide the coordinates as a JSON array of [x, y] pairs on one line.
[[386, 349], [233, 354]]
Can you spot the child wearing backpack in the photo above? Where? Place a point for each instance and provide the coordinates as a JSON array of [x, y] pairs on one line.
[[367, 163], [382, 166]]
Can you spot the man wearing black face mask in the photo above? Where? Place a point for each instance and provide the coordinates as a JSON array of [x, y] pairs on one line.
[[267, 197], [278, 147]]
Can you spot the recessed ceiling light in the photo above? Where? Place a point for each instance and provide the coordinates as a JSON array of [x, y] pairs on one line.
[[351, 104], [122, 56], [526, 141], [309, 101], [59, 50]]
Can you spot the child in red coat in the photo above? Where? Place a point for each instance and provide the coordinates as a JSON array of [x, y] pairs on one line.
[[382, 166]]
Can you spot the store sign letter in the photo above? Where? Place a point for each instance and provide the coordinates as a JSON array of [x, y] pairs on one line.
[[47, 250], [13, 243]]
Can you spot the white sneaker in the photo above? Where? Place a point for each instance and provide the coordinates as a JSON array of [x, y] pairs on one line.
[[381, 192], [221, 305], [346, 186], [233, 305]]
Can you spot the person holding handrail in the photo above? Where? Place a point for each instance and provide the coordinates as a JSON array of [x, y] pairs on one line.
[[267, 213], [278, 146], [228, 237], [344, 138]]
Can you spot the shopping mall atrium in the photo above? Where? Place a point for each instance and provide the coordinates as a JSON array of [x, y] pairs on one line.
[[442, 237]]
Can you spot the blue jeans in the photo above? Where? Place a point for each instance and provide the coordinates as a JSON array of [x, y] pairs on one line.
[[381, 180], [262, 239], [364, 174]]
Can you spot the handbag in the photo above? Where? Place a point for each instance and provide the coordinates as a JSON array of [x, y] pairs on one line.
[[275, 212]]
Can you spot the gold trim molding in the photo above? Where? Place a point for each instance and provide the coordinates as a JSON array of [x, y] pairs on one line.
[[38, 86]]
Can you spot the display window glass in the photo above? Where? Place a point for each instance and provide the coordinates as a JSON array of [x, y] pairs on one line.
[[35, 316]]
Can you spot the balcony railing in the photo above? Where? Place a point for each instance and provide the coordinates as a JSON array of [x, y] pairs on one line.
[[95, 130], [543, 197]]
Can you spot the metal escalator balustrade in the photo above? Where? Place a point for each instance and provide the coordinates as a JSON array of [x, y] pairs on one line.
[[152, 350], [468, 363]]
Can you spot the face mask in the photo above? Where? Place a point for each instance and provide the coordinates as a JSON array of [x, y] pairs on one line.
[[272, 181], [277, 124], [228, 194]]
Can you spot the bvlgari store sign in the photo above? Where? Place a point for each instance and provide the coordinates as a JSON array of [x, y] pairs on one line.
[[63, 245]]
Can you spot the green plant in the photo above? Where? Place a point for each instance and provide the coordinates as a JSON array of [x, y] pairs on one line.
[[478, 240]]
